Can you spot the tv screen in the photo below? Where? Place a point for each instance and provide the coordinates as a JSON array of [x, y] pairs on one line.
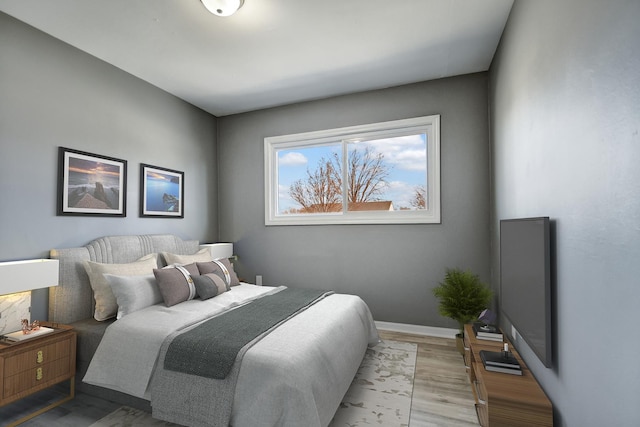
[[525, 281]]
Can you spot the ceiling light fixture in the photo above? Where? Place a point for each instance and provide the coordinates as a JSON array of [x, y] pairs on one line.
[[223, 7]]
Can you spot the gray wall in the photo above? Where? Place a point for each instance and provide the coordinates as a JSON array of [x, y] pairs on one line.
[[565, 116], [52, 95], [392, 267]]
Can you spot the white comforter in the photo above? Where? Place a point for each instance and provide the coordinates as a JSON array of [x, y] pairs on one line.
[[297, 375]]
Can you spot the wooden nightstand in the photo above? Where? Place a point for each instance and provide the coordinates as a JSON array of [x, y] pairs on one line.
[[35, 364]]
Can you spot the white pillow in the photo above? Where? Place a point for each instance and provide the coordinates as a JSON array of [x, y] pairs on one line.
[[134, 293], [203, 255], [106, 305]]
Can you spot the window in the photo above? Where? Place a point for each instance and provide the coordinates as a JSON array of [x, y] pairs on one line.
[[381, 173]]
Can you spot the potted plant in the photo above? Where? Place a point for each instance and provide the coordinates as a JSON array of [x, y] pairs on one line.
[[462, 297]]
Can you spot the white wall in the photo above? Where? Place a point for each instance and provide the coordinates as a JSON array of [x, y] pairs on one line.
[[52, 95], [565, 119]]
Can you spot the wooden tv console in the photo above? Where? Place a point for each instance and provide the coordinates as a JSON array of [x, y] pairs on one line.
[[504, 399]]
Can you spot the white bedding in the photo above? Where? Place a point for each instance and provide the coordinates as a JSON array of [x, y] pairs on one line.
[[294, 376]]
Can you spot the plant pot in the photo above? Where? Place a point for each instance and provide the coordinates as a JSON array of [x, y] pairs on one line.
[[460, 343]]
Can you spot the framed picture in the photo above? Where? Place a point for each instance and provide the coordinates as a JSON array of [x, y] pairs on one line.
[[89, 184], [161, 192]]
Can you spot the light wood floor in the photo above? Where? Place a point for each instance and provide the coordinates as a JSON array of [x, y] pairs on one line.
[[441, 392]]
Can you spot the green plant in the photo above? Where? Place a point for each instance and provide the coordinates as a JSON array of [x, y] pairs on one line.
[[462, 296]]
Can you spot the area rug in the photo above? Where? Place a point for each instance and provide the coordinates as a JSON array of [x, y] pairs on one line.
[[129, 417], [380, 393]]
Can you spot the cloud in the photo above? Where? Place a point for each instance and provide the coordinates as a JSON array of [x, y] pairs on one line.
[[401, 193], [402, 152], [293, 158], [410, 160], [285, 201]]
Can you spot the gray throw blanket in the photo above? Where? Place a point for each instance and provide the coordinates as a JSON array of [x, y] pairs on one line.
[[195, 377], [210, 349]]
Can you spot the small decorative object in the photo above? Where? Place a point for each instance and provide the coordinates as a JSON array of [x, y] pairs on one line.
[[27, 329], [161, 192], [89, 184], [487, 317]]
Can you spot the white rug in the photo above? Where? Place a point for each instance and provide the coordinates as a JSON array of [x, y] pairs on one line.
[[380, 393], [129, 417]]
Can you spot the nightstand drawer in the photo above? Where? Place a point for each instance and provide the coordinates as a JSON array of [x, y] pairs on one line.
[[36, 356], [43, 375], [35, 364]]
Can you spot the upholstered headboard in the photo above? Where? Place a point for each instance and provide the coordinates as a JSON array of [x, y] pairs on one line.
[[72, 299]]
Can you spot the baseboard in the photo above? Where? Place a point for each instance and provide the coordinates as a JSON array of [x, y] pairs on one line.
[[429, 331]]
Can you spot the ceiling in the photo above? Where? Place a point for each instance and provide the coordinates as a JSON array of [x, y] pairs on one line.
[[276, 52]]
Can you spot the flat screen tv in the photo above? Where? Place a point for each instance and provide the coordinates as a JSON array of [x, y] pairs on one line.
[[525, 282]]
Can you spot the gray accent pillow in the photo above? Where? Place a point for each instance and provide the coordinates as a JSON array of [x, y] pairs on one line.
[[209, 285], [175, 283], [214, 267], [134, 293], [106, 305]]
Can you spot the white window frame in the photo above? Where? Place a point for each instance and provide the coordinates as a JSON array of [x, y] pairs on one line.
[[427, 124]]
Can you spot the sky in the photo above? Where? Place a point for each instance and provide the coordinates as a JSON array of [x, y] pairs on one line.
[[404, 155]]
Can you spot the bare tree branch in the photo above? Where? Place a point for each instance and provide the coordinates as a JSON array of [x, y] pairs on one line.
[[319, 193], [419, 200], [322, 189]]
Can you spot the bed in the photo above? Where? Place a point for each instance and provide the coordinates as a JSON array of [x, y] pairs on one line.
[[294, 373]]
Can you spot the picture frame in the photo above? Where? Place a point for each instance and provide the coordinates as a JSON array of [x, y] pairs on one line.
[[161, 192], [91, 184]]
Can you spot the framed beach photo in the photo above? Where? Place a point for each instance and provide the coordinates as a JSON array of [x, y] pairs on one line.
[[161, 192], [90, 184]]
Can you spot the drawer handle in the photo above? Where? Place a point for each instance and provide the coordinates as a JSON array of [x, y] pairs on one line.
[[39, 357], [38, 374]]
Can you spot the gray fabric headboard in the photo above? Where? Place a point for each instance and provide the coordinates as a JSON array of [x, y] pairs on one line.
[[72, 299]]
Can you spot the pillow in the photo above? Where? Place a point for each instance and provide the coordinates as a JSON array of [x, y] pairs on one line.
[[222, 267], [106, 305], [202, 255], [134, 293], [175, 283], [210, 285]]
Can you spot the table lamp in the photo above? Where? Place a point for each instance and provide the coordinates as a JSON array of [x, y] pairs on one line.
[[219, 250], [17, 279]]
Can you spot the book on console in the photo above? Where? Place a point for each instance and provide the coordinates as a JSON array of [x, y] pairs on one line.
[[503, 370], [487, 331], [497, 359], [496, 339]]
